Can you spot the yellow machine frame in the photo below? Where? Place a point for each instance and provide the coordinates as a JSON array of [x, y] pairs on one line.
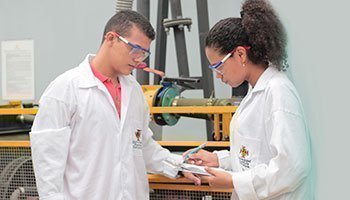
[[225, 111]]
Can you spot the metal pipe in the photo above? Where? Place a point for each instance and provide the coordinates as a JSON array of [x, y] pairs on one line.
[[161, 40], [203, 102], [180, 42], [25, 119], [143, 7]]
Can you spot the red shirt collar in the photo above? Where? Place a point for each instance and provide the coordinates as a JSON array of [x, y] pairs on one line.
[[98, 75]]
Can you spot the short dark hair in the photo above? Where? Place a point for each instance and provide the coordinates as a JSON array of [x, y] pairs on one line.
[[259, 28], [124, 20]]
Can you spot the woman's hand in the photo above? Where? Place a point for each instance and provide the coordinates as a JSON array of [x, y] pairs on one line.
[[218, 179], [204, 158]]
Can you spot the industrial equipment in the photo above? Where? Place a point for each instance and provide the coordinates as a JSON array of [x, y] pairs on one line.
[[16, 120], [177, 23], [167, 106]]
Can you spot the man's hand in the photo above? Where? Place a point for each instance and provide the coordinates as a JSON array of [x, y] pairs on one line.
[[219, 179], [204, 158]]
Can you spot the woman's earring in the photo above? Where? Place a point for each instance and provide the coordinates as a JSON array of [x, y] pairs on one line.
[[243, 64]]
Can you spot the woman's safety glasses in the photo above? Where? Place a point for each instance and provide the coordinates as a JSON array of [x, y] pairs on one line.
[[137, 51], [216, 67]]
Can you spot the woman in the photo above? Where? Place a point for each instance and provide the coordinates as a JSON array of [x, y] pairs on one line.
[[269, 154]]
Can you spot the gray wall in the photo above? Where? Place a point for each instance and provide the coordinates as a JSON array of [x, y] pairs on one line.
[[318, 51], [64, 31]]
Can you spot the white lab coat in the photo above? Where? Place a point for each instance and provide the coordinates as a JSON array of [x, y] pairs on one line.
[[80, 147], [269, 154]]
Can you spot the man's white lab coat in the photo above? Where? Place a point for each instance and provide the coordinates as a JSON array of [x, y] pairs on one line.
[[80, 147], [270, 149]]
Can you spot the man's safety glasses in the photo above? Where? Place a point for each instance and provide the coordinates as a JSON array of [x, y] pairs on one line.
[[139, 52], [216, 67]]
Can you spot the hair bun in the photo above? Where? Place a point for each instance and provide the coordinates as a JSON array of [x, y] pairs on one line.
[[265, 32]]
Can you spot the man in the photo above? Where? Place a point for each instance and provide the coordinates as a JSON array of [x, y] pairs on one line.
[[90, 138]]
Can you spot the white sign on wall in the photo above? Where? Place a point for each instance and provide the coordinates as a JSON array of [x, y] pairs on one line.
[[17, 61]]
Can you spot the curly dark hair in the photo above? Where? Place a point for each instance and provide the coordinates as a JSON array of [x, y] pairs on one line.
[[259, 27], [123, 21]]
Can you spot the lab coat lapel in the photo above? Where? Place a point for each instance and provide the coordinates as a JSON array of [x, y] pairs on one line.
[[102, 87], [126, 88], [260, 85], [89, 80]]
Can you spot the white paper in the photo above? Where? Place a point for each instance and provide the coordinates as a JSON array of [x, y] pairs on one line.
[[17, 61], [195, 169]]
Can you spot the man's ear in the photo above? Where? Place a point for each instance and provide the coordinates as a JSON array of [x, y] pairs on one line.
[[109, 36]]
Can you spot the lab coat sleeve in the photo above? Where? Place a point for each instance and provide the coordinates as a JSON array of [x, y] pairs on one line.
[[224, 159], [287, 170], [153, 153], [49, 139]]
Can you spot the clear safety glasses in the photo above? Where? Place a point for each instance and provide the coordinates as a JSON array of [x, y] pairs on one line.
[[137, 51], [216, 67]]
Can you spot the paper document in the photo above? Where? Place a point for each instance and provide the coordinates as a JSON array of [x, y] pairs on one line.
[[17, 66], [171, 168], [194, 169]]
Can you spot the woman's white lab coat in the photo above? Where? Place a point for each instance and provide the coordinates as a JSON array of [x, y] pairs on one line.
[[80, 147], [270, 149]]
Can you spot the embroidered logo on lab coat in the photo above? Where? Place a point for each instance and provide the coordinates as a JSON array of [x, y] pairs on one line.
[[136, 143], [138, 134], [244, 152], [243, 158]]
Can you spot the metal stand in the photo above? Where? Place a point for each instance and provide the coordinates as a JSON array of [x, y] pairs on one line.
[[178, 24], [143, 7]]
